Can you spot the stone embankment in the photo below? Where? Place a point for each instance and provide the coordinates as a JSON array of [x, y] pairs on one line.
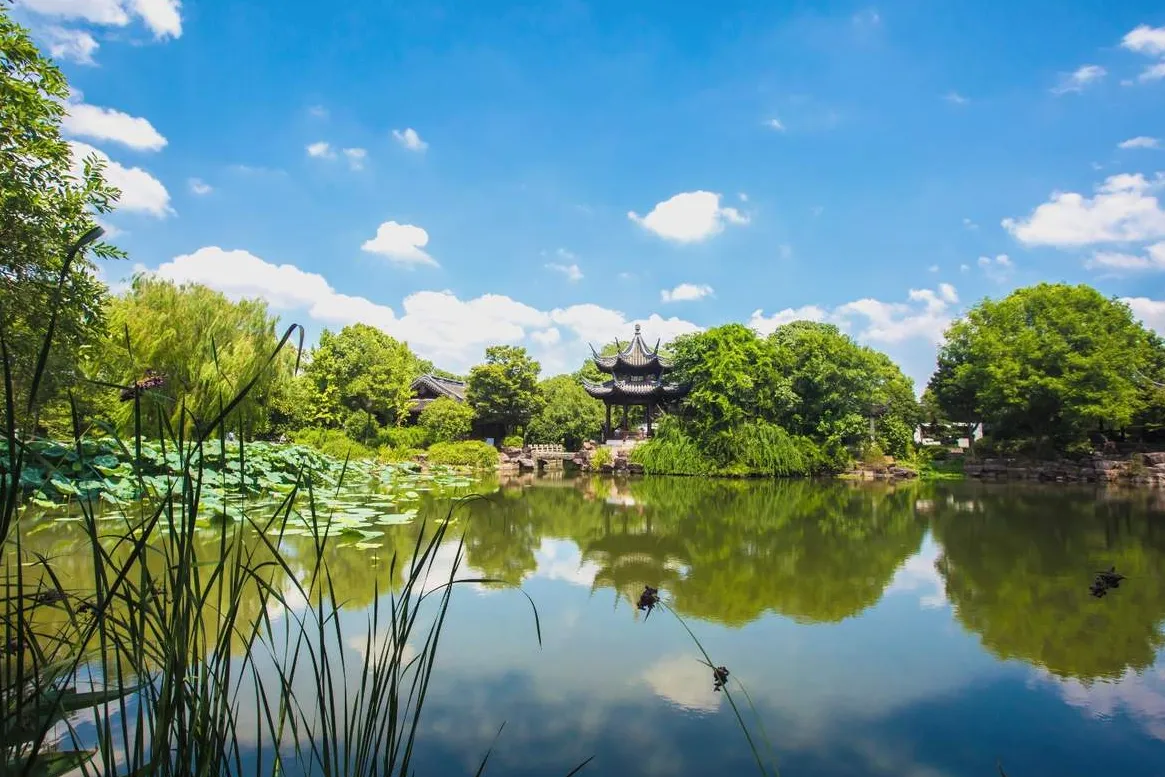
[[618, 463], [1138, 469]]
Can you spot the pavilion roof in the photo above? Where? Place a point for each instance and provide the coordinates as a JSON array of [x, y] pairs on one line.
[[639, 391], [634, 357]]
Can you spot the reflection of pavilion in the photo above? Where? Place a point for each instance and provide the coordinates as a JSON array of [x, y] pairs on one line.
[[628, 560]]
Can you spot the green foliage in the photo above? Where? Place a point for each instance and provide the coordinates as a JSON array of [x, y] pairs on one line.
[[333, 442], [569, 416], [504, 390], [839, 384], [470, 453], [513, 441], [47, 201], [447, 420], [360, 369], [407, 437], [601, 457], [205, 345], [733, 379], [1047, 363]]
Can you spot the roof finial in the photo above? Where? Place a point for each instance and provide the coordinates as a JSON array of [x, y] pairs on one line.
[[637, 329]]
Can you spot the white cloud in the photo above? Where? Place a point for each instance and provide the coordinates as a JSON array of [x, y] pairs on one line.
[[546, 337], [1146, 40], [410, 139], [571, 271], [1123, 210], [319, 111], [1151, 312], [685, 292], [932, 268], [689, 217], [140, 191], [200, 187], [969, 224], [685, 682], [998, 269], [355, 157], [71, 45], [437, 324], [1080, 78], [401, 243], [767, 325], [925, 316], [955, 98], [97, 123], [161, 16], [964, 268], [1154, 259], [776, 124], [1153, 72], [321, 150], [1141, 141], [743, 197]]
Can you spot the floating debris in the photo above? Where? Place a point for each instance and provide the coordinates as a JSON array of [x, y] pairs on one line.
[[1105, 581], [719, 677], [648, 599]]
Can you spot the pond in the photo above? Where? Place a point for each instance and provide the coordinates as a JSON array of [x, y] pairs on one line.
[[924, 629]]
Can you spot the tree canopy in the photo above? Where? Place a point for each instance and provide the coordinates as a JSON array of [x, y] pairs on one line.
[[569, 415], [46, 204], [504, 389], [1047, 363], [447, 420]]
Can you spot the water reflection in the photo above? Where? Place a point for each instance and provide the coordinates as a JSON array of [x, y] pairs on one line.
[[867, 621]]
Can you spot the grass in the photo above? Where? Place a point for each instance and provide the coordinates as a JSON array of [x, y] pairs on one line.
[[474, 454]]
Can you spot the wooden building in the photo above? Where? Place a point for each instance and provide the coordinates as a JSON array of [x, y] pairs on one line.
[[636, 380]]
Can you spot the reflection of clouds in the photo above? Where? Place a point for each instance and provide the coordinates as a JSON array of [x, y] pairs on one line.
[[441, 567], [382, 642], [918, 574], [683, 681], [562, 560], [1140, 694]]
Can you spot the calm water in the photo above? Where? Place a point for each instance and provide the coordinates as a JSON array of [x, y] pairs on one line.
[[922, 630]]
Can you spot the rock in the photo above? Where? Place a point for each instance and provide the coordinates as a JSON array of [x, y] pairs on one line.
[[510, 451], [1154, 458], [606, 469], [527, 462], [902, 473], [635, 468]]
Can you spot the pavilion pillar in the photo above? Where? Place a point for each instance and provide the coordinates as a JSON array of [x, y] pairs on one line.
[[648, 413], [607, 427], [625, 427]]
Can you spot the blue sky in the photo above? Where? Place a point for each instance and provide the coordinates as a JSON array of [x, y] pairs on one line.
[[547, 173]]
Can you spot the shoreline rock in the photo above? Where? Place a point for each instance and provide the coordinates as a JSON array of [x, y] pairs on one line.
[[1138, 469]]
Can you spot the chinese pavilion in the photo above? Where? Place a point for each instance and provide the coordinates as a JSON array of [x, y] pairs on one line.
[[636, 380]]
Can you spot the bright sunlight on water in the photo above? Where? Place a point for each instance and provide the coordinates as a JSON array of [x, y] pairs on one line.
[[922, 630]]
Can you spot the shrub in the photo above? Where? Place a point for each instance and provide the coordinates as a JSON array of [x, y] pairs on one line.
[[333, 442], [513, 441], [362, 426], [447, 420], [410, 437], [387, 454], [873, 455], [603, 456], [671, 452], [761, 448], [469, 453]]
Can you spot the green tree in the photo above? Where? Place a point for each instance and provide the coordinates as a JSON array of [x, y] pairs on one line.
[[504, 390], [733, 379], [447, 420], [840, 385], [1045, 364], [205, 345], [46, 204], [360, 377], [569, 416]]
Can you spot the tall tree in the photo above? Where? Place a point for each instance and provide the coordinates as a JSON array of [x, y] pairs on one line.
[[569, 416], [1046, 364], [361, 371], [45, 205], [840, 385], [204, 345], [504, 389]]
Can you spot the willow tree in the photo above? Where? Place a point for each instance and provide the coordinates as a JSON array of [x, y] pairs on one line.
[[205, 347]]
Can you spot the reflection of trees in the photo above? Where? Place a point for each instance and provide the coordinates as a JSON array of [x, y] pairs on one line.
[[726, 551], [1017, 565]]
